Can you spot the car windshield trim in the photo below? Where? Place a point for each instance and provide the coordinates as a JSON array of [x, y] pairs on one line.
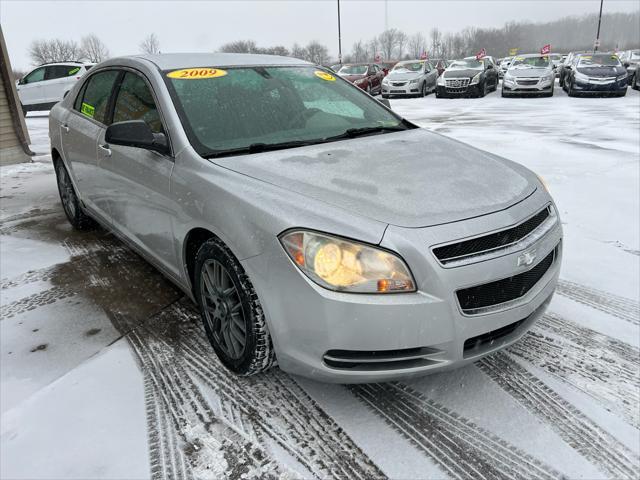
[[374, 116]]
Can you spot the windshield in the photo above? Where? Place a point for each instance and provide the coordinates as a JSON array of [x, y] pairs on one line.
[[466, 63], [635, 55], [244, 107], [409, 67], [531, 62], [354, 70], [599, 61]]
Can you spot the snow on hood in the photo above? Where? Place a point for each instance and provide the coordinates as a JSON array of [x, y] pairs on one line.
[[403, 75], [415, 178], [529, 72]]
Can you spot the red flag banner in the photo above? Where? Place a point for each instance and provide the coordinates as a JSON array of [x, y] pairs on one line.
[[377, 58], [481, 54], [424, 56], [545, 50]]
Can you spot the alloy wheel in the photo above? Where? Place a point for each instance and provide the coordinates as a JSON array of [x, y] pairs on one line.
[[223, 309]]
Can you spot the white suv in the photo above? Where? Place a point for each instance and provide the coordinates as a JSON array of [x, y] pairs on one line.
[[46, 85]]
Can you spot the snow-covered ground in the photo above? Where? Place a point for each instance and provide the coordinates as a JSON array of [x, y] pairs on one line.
[[105, 371]]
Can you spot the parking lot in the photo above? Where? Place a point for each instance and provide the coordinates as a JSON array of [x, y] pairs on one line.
[[97, 348]]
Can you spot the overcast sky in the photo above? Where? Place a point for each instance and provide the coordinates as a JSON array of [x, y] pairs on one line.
[[204, 25]]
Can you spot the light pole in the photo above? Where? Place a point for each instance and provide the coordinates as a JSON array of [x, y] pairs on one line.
[[339, 37], [597, 44]]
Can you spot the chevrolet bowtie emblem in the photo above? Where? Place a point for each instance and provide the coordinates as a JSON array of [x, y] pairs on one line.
[[527, 258]]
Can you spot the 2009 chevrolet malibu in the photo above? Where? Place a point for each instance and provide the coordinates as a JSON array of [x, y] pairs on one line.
[[310, 223]]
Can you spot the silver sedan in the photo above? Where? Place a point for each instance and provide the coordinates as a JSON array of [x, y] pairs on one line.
[[410, 77], [310, 223]]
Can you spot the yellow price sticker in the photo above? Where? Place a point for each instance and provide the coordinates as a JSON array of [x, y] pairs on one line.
[[88, 110], [197, 73], [325, 76]]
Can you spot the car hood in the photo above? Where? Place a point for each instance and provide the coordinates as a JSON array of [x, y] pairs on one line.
[[414, 178], [398, 76], [602, 71], [529, 72], [461, 73]]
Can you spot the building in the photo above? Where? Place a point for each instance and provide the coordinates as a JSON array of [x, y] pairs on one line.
[[14, 137]]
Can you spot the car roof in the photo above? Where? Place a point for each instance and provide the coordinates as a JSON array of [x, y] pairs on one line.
[[70, 62], [168, 61]]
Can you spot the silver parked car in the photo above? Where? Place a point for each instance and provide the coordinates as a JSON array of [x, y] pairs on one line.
[[410, 77], [310, 223], [532, 74]]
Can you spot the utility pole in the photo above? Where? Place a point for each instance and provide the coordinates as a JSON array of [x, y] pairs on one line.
[[339, 37], [597, 43], [386, 16]]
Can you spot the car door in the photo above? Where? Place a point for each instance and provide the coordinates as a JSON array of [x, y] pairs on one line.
[[431, 75], [58, 79], [138, 180], [492, 74], [30, 88], [79, 133]]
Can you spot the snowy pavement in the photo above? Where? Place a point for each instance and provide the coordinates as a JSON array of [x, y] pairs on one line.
[[105, 371]]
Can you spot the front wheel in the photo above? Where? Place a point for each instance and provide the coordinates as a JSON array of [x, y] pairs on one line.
[[233, 318], [70, 202], [570, 90]]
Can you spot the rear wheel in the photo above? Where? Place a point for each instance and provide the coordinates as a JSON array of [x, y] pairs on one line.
[[233, 317], [70, 203], [570, 91]]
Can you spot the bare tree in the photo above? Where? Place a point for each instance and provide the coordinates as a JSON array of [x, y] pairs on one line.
[[55, 50], [240, 46], [417, 44], [401, 41], [298, 51], [372, 48], [436, 42], [317, 53], [92, 49], [359, 52], [150, 45], [388, 41], [275, 50]]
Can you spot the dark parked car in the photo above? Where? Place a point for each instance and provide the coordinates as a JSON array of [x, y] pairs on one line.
[[468, 77], [367, 76], [599, 73]]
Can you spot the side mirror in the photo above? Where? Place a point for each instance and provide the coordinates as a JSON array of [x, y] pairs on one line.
[[136, 133], [626, 64], [385, 102], [21, 81]]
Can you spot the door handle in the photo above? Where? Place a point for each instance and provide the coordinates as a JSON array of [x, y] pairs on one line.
[[105, 149], [65, 127]]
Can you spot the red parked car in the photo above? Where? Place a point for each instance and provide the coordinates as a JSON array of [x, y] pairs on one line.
[[367, 76], [440, 64]]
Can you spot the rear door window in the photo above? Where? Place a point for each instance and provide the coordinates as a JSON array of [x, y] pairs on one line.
[[95, 95], [54, 72], [135, 102]]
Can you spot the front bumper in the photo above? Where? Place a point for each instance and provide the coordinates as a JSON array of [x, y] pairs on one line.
[[312, 327], [516, 88], [461, 92], [401, 88], [613, 87]]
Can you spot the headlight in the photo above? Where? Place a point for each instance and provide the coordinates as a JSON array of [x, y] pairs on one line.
[[623, 76], [441, 81], [476, 79], [547, 78], [581, 77], [347, 266], [413, 82], [385, 81], [508, 77]]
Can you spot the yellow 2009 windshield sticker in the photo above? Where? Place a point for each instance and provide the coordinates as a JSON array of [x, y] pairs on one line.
[[197, 73], [88, 110], [325, 76]]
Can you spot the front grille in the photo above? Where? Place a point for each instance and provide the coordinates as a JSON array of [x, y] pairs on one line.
[[504, 238], [381, 359], [398, 84], [527, 82], [457, 82], [398, 91], [486, 341], [501, 291]]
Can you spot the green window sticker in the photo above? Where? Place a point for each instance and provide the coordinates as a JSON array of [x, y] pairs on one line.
[[88, 110], [73, 71]]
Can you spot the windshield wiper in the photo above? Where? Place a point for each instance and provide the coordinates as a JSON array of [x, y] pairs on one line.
[[261, 147], [359, 132]]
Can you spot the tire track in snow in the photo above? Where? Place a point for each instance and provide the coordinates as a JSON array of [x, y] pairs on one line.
[[201, 443], [277, 408], [605, 369], [582, 434], [35, 300], [614, 305], [462, 449]]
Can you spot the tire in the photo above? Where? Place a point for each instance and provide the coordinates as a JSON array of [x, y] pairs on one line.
[[635, 85], [423, 90], [228, 302], [482, 91], [24, 110], [70, 203], [623, 93], [570, 91], [502, 93], [561, 81]]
